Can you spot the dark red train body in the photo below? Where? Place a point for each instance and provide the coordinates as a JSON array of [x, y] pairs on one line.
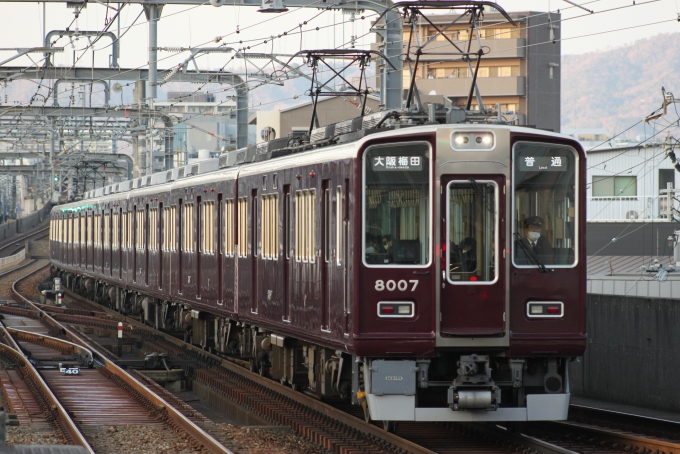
[[392, 269]]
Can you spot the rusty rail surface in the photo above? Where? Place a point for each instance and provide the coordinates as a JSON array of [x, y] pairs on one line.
[[322, 408], [173, 416], [55, 412]]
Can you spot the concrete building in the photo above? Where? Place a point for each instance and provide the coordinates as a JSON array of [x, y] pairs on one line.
[[272, 124], [520, 69], [202, 117]]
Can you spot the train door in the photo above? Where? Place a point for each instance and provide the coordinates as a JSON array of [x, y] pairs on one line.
[[253, 252], [473, 291], [287, 231], [326, 261], [220, 249], [147, 237], [200, 245], [161, 247], [180, 256], [135, 241]]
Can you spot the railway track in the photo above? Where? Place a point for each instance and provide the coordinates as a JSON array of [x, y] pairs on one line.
[[595, 430], [93, 408], [332, 428]]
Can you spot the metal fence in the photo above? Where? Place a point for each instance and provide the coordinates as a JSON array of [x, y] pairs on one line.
[[627, 208]]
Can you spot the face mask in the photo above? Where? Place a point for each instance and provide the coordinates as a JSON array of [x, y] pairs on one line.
[[533, 236]]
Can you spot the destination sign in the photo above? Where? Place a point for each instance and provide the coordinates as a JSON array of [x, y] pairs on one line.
[[391, 163], [543, 163]]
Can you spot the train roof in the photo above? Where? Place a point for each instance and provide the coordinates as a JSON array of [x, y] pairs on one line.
[[337, 141]]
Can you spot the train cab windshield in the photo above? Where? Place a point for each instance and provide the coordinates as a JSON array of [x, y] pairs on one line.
[[544, 205], [397, 205]]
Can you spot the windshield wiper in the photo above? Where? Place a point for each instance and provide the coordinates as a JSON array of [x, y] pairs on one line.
[[530, 253], [480, 193]]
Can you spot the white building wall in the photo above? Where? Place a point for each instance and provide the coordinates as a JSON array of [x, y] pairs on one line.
[[643, 163]]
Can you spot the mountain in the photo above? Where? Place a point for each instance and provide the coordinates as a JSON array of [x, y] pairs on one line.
[[616, 88]]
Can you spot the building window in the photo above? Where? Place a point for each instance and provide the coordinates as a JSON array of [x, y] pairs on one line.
[[618, 186]]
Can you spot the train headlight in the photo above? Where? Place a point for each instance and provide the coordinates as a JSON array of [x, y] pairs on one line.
[[472, 141], [545, 309], [396, 309]]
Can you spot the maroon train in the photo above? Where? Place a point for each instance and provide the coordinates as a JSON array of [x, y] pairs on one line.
[[386, 266]]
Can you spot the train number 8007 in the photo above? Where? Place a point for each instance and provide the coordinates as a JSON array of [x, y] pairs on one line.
[[391, 285]]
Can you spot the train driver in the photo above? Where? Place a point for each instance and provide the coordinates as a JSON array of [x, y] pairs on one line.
[[533, 246]]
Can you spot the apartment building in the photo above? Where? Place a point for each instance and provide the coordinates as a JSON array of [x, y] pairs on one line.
[[520, 69]]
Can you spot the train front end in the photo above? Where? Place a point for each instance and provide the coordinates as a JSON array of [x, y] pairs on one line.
[[471, 286]]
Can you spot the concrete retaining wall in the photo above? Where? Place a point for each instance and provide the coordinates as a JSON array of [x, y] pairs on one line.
[[11, 228], [633, 352], [8, 262]]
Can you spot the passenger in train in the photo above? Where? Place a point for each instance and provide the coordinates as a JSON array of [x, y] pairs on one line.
[[387, 246], [533, 246], [463, 256]]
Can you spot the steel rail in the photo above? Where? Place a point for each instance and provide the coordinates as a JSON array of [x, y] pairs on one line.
[[64, 423], [636, 441], [175, 416]]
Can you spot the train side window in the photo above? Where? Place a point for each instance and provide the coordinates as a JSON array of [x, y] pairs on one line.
[[396, 205], [208, 230], [243, 227], [153, 229], [270, 226], [140, 230], [305, 220], [188, 235], [98, 230], [228, 228], [173, 228], [107, 230], [116, 219], [83, 228]]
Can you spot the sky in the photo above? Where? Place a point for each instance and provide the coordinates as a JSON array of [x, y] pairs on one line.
[[614, 23]]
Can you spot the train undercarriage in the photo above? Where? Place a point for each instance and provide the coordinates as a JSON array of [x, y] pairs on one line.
[[452, 385]]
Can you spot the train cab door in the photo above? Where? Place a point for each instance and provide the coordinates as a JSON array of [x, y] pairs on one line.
[[473, 297]]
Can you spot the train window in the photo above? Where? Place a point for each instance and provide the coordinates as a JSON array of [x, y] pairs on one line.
[[140, 230], [472, 231], [165, 245], [188, 233], [396, 205], [83, 228], [153, 229], [270, 226], [544, 205], [208, 229], [229, 228], [90, 229], [97, 230], [305, 223], [114, 229], [107, 230], [243, 227]]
